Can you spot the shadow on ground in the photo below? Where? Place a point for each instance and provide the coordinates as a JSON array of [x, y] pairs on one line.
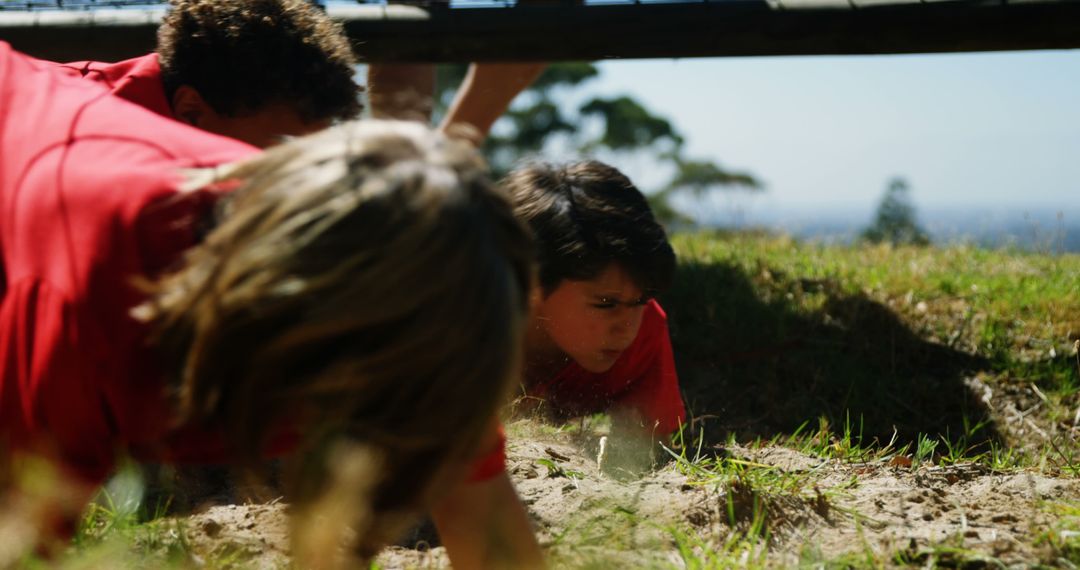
[[761, 354]]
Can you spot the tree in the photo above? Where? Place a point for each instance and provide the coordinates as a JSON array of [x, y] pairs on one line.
[[618, 125], [895, 221]]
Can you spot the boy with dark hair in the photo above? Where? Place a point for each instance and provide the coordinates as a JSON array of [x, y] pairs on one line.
[[252, 70], [598, 340]]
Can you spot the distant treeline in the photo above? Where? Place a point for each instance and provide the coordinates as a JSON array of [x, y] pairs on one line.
[[1038, 230]]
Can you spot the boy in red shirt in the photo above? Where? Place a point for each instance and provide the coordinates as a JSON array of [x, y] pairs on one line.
[[598, 340], [142, 312], [252, 70]]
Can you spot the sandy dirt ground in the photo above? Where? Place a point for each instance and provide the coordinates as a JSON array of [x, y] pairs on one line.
[[586, 518]]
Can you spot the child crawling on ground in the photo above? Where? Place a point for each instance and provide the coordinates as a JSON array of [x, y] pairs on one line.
[[355, 297], [597, 340]]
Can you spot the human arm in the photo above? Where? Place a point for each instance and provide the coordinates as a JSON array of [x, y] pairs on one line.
[[484, 95], [652, 401], [41, 505], [407, 92], [650, 410], [483, 524]]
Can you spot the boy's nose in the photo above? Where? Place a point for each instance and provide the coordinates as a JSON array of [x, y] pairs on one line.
[[623, 326]]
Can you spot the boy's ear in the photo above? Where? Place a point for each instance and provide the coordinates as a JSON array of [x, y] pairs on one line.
[[189, 107], [535, 296], [536, 293]]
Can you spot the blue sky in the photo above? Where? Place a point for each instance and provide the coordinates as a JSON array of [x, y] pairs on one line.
[[994, 131]]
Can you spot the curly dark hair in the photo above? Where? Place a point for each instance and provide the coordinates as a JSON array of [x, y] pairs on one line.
[[241, 55], [586, 216]]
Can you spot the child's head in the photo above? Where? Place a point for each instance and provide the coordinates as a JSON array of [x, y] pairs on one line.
[[256, 70], [602, 255], [366, 282]]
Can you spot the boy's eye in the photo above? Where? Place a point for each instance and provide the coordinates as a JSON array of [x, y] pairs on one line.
[[605, 303]]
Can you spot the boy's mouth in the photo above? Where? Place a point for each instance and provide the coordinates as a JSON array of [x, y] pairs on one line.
[[611, 354]]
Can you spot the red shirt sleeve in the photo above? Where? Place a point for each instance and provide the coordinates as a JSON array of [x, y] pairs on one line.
[[78, 172], [138, 80], [654, 388], [493, 461]]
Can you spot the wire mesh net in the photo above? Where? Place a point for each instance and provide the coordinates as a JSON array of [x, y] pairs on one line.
[[32, 5], [28, 5], [72, 4]]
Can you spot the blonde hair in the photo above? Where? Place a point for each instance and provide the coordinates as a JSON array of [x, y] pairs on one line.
[[368, 281]]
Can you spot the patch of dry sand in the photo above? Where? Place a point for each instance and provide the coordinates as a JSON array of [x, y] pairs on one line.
[[583, 516]]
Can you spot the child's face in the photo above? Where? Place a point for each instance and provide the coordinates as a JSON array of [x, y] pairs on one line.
[[593, 321]]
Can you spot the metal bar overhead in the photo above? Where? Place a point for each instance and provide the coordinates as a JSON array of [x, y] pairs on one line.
[[569, 30]]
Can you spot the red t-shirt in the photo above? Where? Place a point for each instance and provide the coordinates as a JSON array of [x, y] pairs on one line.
[[643, 379], [138, 80], [88, 201]]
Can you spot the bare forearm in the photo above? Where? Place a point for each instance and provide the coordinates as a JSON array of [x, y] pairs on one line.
[[485, 94], [484, 525]]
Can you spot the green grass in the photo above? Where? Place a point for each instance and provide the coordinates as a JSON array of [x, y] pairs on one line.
[[118, 530], [892, 346], [906, 357], [111, 536], [1062, 539], [740, 549], [860, 355], [949, 553], [708, 469]]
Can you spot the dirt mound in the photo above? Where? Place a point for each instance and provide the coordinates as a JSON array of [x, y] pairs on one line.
[[785, 508], [580, 512], [914, 514], [257, 534], [812, 508]]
